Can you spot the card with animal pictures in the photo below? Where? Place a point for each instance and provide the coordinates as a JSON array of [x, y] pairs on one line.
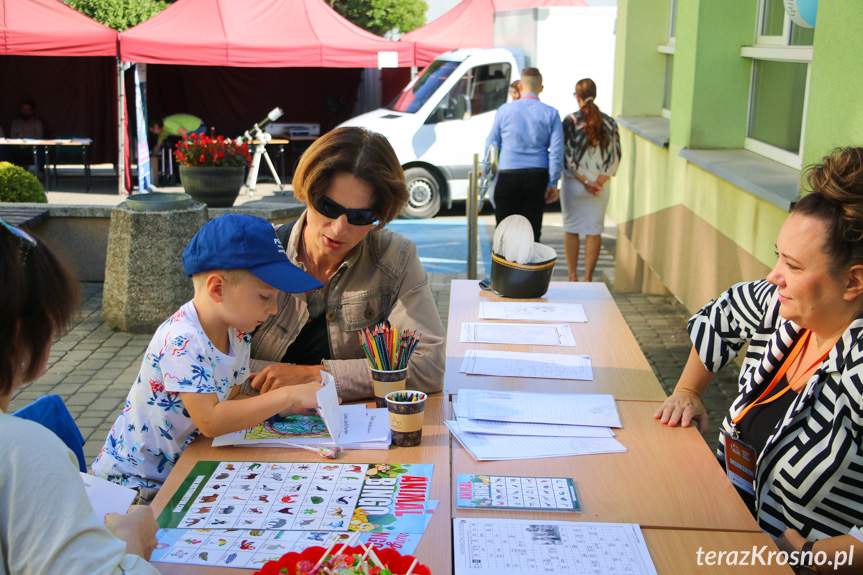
[[517, 493], [323, 496]]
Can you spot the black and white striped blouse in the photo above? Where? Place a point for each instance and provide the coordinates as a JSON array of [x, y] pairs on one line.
[[810, 475]]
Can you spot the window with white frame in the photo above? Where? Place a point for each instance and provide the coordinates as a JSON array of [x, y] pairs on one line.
[[668, 50], [779, 86]]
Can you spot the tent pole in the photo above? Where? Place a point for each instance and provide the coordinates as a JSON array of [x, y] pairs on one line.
[[121, 140]]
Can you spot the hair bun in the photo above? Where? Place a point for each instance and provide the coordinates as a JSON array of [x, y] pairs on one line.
[[839, 176]]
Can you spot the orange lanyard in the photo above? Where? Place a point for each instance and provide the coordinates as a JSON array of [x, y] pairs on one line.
[[801, 343]]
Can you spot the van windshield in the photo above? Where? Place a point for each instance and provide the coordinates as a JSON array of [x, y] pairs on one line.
[[413, 98]]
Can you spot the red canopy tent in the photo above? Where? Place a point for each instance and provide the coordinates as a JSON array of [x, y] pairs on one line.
[[260, 34], [469, 24], [65, 63], [50, 28], [232, 61]]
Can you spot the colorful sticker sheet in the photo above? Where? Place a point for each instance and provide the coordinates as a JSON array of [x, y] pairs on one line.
[[252, 548], [322, 496], [517, 493]]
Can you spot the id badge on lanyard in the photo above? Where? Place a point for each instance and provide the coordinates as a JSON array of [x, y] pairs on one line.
[[740, 463]]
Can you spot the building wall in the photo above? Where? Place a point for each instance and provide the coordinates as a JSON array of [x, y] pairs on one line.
[[685, 229]]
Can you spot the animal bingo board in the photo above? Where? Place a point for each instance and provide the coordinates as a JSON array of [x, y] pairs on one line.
[[366, 497], [517, 493], [237, 547], [516, 547], [250, 549]]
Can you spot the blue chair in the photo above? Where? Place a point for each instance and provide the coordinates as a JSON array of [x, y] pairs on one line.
[[50, 411]]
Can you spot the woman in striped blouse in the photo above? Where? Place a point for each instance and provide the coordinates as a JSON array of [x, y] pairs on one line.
[[800, 406]]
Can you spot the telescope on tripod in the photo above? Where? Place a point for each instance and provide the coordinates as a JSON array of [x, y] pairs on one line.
[[261, 138]]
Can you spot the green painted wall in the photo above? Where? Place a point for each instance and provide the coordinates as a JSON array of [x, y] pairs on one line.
[[835, 113], [711, 80], [639, 70]]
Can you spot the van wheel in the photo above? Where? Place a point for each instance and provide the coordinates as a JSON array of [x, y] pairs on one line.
[[423, 194]]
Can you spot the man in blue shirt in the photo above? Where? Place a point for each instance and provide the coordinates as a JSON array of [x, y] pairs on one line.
[[529, 135]]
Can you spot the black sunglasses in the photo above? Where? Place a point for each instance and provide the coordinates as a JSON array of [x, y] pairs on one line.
[[330, 209]]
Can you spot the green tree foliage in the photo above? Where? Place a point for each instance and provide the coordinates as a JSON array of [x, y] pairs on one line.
[[19, 185], [119, 14], [382, 16]]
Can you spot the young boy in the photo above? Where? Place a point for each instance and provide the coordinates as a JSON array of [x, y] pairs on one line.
[[198, 356]]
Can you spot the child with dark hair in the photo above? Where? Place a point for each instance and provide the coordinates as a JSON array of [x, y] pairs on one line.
[[47, 524]]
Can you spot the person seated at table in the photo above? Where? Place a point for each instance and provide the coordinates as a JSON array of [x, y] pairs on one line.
[[800, 406], [47, 524], [26, 125], [353, 185], [176, 125], [201, 353]]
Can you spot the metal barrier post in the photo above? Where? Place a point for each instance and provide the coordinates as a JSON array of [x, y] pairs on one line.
[[472, 219]]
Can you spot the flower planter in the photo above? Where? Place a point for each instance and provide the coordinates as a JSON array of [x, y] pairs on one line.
[[216, 186]]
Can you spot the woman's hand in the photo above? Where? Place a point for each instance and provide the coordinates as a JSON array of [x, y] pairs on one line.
[[790, 541], [282, 374], [137, 528], [594, 188], [683, 407]]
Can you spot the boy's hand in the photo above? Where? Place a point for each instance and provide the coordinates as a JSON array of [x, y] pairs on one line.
[[303, 398], [282, 374]]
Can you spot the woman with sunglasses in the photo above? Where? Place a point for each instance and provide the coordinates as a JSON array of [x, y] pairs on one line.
[[353, 185], [46, 522]]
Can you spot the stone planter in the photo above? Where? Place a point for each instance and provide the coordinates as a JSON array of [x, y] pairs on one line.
[[217, 187]]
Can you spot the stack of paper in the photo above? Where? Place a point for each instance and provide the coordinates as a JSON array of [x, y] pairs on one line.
[[522, 364], [494, 425], [348, 426], [361, 428]]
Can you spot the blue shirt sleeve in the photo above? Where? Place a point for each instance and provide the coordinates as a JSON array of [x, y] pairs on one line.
[[555, 153], [494, 135]]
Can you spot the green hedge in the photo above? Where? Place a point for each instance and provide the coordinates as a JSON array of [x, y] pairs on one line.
[[19, 185]]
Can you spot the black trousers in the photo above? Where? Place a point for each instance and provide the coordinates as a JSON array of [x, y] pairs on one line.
[[521, 192]]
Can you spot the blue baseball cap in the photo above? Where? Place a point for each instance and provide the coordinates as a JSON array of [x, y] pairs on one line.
[[237, 241]]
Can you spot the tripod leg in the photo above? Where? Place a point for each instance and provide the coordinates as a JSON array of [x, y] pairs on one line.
[[273, 171], [252, 180]]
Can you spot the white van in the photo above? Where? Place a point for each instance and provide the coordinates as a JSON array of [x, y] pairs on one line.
[[443, 117], [438, 117]]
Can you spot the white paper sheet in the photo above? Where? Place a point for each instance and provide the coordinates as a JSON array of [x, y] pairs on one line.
[[503, 447], [541, 429], [518, 333], [328, 406], [526, 407], [522, 364], [540, 546], [106, 496], [532, 311]]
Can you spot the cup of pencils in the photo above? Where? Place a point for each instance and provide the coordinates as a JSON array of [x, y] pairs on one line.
[[406, 417], [388, 352]]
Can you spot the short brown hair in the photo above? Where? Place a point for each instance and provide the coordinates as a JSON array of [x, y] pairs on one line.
[[532, 78], [38, 302], [233, 277], [364, 154]]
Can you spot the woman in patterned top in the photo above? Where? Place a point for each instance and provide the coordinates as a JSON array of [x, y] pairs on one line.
[[800, 406], [591, 155]]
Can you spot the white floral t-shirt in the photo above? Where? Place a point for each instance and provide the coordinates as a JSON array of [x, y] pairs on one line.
[[154, 427]]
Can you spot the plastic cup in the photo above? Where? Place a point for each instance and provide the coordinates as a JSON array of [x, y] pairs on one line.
[[386, 381], [406, 410]]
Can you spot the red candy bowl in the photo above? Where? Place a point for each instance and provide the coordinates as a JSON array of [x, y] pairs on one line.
[[303, 563]]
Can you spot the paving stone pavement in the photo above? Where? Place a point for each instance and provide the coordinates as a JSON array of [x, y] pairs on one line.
[[93, 367]]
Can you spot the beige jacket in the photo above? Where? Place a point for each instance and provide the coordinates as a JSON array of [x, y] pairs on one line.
[[381, 279]]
